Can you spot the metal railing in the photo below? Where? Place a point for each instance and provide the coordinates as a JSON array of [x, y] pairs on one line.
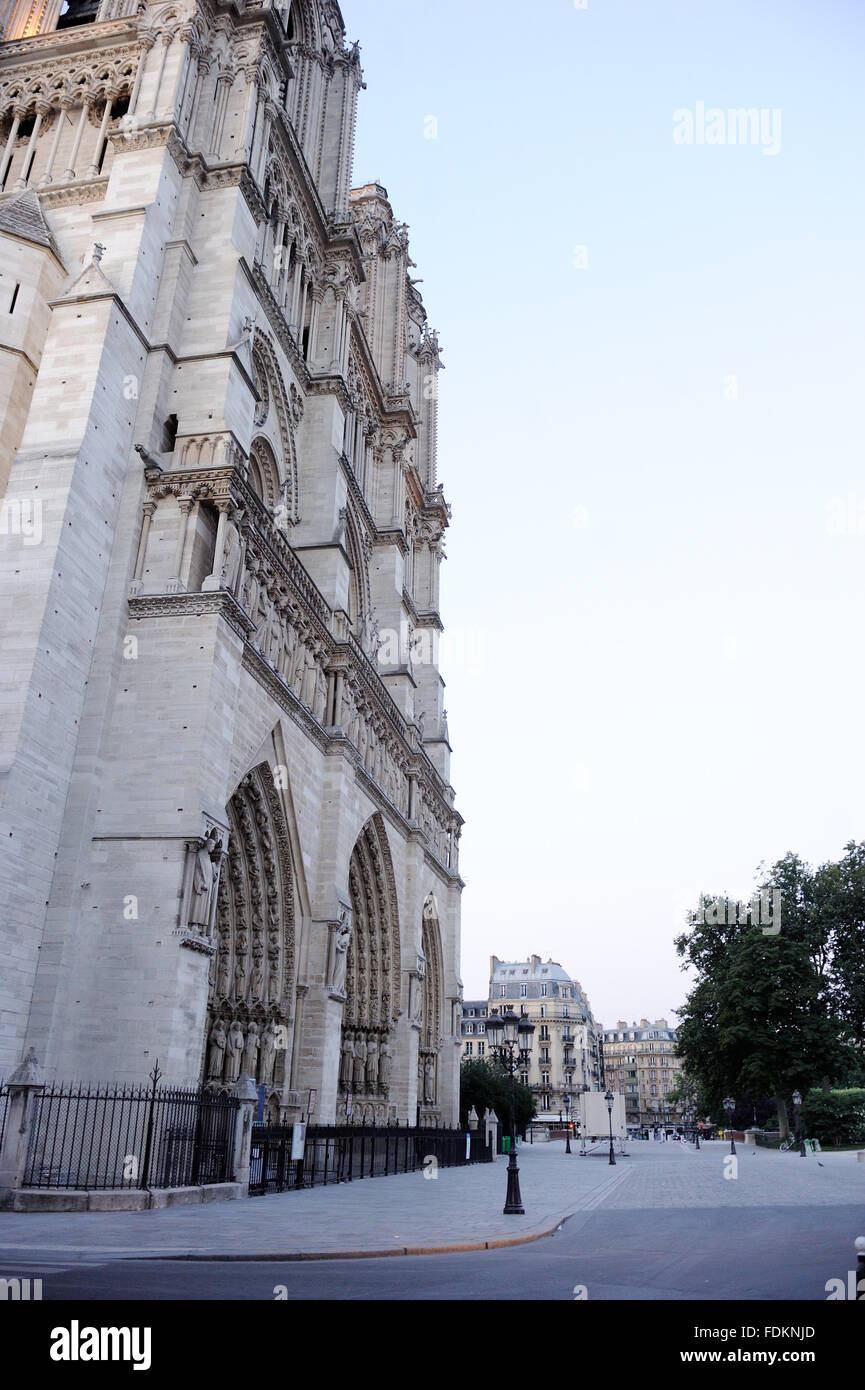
[[144, 1136], [347, 1153]]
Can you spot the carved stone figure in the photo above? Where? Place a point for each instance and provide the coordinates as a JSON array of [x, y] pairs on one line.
[[372, 1059], [359, 1062], [429, 1080], [384, 1066], [257, 979], [347, 1067], [234, 1051], [216, 1054], [231, 557], [240, 978], [204, 880], [269, 1040], [250, 1051], [341, 939]]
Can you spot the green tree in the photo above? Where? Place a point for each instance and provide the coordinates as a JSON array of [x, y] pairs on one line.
[[758, 1016], [485, 1084]]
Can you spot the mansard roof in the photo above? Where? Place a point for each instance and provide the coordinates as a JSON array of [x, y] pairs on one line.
[[22, 217]]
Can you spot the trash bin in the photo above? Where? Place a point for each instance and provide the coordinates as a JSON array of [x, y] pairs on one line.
[[506, 1144]]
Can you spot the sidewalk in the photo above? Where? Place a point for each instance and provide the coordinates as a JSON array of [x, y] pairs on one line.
[[460, 1209]]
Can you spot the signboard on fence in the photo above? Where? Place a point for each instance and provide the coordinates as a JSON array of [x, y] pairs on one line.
[[310, 1104], [298, 1142]]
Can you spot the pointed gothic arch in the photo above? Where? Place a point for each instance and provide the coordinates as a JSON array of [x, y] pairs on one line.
[[252, 975], [372, 971]]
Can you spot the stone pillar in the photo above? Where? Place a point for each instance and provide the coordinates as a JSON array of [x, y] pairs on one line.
[[246, 1093], [55, 144], [10, 143], [25, 1082], [76, 145], [21, 182]]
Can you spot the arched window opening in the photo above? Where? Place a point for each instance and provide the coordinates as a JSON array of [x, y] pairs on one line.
[[73, 12]]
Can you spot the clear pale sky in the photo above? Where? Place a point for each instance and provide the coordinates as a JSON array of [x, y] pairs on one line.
[[656, 617]]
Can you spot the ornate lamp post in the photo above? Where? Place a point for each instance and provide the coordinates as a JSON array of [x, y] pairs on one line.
[[730, 1105], [511, 1050], [609, 1098], [797, 1106], [567, 1100]]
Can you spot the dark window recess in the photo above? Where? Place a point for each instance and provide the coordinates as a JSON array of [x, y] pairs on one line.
[[305, 343], [291, 29], [14, 298], [77, 12], [120, 107], [169, 435], [25, 129]]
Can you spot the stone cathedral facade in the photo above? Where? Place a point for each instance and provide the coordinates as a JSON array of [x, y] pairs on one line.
[[228, 839]]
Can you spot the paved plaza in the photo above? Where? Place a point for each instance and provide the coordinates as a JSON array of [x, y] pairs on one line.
[[460, 1209]]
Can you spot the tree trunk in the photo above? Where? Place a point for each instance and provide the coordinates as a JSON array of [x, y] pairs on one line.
[[783, 1122], [827, 1086]]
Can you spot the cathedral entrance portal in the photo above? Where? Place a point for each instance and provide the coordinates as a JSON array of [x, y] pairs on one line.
[[249, 1017]]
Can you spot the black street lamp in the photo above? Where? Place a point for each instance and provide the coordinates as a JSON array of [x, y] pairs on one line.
[[797, 1105], [512, 1051], [730, 1105], [567, 1100], [609, 1098]]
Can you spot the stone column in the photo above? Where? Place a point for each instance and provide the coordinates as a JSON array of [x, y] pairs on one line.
[[10, 143], [76, 144], [214, 580], [93, 171], [167, 40], [55, 144], [246, 1093], [21, 182], [23, 1085]]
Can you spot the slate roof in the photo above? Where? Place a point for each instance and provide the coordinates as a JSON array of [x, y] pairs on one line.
[[22, 217]]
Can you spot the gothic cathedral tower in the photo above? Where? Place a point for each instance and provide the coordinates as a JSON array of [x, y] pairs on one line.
[[229, 839]]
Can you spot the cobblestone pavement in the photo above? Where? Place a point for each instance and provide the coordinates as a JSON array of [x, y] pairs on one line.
[[460, 1208]]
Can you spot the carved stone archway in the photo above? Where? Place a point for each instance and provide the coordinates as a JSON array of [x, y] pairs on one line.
[[253, 973], [371, 977], [432, 1012]]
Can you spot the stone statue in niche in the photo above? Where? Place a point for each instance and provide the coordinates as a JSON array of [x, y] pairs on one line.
[[250, 1051], [359, 1062], [372, 1062], [235, 1052], [216, 1053], [231, 557], [384, 1066], [269, 1041], [429, 1080], [347, 1067], [205, 880], [342, 937]]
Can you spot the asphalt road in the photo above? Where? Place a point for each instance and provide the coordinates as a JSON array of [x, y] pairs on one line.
[[756, 1253]]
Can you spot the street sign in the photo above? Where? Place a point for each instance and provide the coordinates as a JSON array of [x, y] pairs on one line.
[[310, 1104], [298, 1141], [259, 1112]]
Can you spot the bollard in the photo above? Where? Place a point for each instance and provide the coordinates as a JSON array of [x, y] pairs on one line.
[[860, 1269]]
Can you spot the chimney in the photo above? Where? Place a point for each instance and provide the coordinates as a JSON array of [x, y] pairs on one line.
[[536, 960]]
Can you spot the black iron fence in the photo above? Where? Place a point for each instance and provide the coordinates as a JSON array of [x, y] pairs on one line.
[[146, 1136], [345, 1153], [4, 1105]]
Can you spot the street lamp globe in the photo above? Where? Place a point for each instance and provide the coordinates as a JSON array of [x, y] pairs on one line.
[[526, 1030], [511, 1025]]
